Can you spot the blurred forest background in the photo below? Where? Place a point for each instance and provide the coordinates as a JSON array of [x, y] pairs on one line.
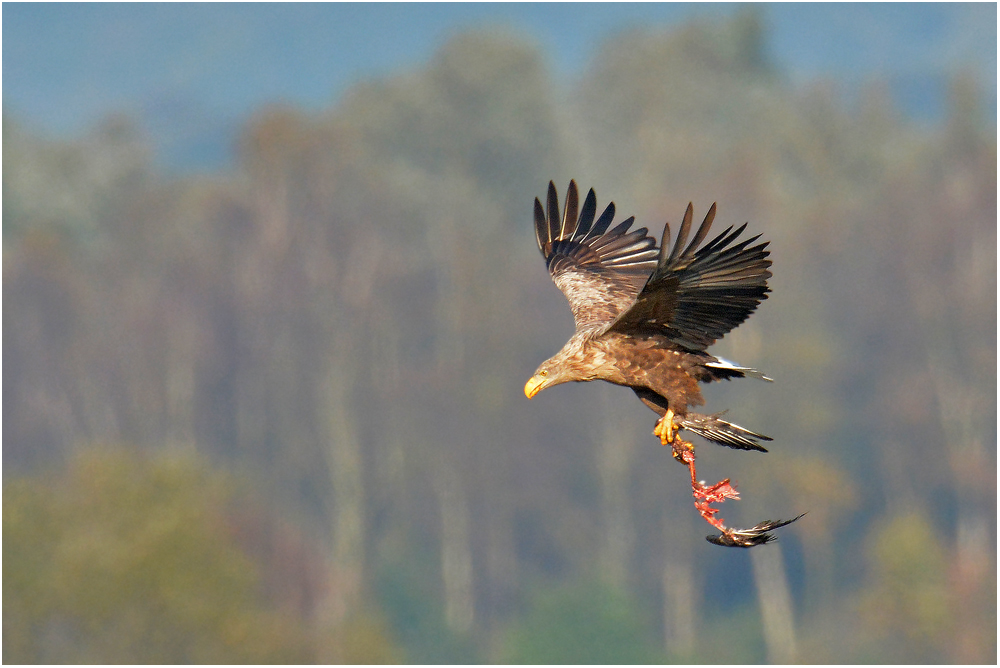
[[275, 413]]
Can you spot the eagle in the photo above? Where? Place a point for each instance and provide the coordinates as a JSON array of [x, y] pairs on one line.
[[645, 317]]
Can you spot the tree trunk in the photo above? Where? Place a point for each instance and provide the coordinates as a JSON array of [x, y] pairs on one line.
[[345, 465], [456, 550], [775, 604], [614, 467], [680, 593]]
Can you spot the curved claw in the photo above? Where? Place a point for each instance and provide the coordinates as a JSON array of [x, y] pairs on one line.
[[665, 429]]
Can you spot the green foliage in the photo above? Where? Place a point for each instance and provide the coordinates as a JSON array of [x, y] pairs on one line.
[[363, 638], [415, 614], [127, 559], [908, 600], [65, 188], [732, 637], [584, 622]]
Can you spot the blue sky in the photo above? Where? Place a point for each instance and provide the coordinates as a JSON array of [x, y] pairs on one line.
[[65, 66]]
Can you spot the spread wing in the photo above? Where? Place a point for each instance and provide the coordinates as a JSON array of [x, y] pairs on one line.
[[599, 271], [696, 295]]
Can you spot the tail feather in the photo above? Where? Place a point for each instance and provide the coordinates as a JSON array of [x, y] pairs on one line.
[[726, 369], [717, 430]]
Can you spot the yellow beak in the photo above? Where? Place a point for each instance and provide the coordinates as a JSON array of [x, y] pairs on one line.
[[533, 386]]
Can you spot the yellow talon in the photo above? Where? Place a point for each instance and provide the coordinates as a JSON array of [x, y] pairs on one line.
[[665, 428]]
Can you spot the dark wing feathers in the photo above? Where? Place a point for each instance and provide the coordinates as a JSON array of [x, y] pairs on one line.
[[599, 272], [703, 229], [541, 227], [681, 238], [696, 295], [586, 215], [604, 221], [553, 212], [618, 280], [569, 219]]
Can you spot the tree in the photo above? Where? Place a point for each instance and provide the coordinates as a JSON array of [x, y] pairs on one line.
[[583, 622], [128, 559]]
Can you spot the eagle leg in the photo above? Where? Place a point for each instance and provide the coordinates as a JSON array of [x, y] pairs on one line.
[[666, 429]]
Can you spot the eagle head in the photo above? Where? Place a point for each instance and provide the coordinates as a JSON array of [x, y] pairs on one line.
[[569, 364], [544, 377]]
